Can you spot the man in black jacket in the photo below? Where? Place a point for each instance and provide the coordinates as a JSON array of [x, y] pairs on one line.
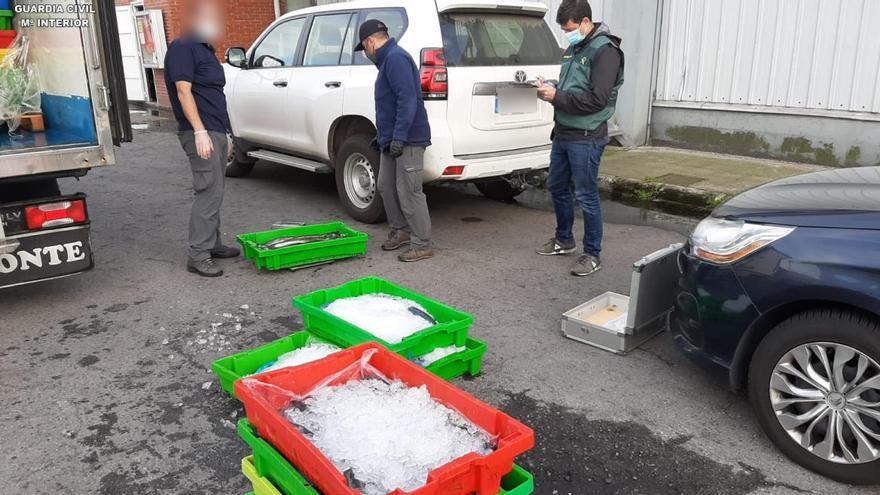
[[403, 135], [583, 100]]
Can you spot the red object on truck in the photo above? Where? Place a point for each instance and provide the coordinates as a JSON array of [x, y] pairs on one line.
[[466, 475], [7, 37]]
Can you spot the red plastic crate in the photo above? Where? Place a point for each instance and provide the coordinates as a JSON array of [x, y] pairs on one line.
[[464, 476], [7, 37]]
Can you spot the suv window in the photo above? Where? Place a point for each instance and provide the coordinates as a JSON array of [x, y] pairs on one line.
[[326, 39], [472, 40], [395, 19], [278, 47]]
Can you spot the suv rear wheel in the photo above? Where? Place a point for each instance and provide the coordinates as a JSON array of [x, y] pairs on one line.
[[357, 168], [814, 383], [238, 163]]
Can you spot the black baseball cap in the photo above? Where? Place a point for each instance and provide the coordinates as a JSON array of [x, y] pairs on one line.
[[367, 29]]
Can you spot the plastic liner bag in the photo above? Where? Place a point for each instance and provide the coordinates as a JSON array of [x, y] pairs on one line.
[[312, 351], [380, 433], [19, 85]]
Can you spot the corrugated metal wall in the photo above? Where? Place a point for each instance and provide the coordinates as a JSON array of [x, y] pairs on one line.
[[807, 55]]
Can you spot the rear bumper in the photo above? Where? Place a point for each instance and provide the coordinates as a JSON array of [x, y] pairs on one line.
[[488, 165]]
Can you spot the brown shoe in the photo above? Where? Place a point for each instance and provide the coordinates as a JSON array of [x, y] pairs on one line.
[[416, 254], [396, 240]]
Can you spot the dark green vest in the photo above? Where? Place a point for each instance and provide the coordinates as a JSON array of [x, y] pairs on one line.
[[575, 77]]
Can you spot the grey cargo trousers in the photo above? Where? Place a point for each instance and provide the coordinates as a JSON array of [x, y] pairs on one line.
[[400, 184], [208, 182]]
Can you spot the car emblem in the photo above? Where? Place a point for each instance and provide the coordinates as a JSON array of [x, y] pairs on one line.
[[520, 76]]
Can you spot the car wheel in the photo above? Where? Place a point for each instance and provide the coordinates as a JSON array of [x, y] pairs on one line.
[[814, 383], [499, 190], [357, 168], [238, 163]]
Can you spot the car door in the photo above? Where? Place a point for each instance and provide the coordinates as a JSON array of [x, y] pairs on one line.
[[261, 90], [315, 92]]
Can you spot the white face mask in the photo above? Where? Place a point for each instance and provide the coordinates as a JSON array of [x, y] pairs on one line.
[[208, 31]]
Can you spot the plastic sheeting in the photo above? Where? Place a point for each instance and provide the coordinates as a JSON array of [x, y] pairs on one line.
[[19, 85]]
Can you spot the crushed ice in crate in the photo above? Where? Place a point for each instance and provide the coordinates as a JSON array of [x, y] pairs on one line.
[[388, 317], [438, 354], [386, 436], [312, 351]]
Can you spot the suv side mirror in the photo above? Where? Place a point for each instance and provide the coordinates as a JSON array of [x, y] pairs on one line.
[[236, 57]]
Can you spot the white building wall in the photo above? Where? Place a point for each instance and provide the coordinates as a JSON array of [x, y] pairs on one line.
[[788, 56]]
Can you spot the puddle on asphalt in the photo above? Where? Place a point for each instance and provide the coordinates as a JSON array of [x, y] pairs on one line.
[[614, 210], [575, 455]]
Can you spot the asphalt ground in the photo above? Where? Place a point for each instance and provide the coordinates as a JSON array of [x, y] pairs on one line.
[[106, 383]]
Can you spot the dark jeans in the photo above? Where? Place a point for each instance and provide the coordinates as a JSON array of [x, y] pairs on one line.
[[577, 163]]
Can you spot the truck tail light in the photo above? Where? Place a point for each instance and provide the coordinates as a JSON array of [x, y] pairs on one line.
[[55, 214], [435, 82]]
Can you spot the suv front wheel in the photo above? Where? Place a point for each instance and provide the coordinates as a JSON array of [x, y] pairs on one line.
[[238, 163], [814, 383], [357, 169]]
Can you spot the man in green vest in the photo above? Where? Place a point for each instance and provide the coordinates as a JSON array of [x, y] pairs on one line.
[[583, 101]]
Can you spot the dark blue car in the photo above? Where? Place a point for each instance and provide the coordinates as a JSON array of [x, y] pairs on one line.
[[780, 291]]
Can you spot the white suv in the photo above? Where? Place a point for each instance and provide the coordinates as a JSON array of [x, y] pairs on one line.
[[302, 96]]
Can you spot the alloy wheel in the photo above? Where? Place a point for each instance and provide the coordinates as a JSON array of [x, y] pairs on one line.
[[360, 182], [827, 398]]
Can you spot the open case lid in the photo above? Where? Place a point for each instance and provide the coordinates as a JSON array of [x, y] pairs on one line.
[[651, 291]]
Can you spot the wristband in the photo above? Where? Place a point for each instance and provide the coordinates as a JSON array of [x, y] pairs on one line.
[[200, 132]]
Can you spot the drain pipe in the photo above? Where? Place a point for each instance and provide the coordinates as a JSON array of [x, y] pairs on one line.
[[277, 8]]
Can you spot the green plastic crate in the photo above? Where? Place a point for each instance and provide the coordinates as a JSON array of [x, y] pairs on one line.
[[518, 482], [451, 328], [353, 244], [273, 466], [231, 368], [465, 362], [5, 20]]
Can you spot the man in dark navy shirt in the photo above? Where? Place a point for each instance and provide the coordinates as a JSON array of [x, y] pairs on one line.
[[195, 82]]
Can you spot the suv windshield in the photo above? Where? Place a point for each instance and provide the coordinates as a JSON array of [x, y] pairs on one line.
[[473, 40]]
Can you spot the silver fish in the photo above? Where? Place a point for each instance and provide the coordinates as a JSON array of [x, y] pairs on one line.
[[282, 242]]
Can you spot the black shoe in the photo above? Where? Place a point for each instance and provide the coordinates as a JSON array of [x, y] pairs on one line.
[[205, 268], [586, 265], [554, 248], [223, 252]]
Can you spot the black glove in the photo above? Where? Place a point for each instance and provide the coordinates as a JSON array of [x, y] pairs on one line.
[[374, 143], [396, 149]]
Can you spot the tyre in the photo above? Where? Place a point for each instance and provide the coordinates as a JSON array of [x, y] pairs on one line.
[[499, 190], [814, 383], [239, 164], [357, 167]]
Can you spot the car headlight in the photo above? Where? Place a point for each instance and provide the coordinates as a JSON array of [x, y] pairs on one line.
[[726, 241]]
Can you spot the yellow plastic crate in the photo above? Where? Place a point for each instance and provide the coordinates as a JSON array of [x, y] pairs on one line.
[[262, 486]]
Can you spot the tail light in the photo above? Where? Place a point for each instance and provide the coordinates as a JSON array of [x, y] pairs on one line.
[[454, 170], [435, 82], [55, 214]]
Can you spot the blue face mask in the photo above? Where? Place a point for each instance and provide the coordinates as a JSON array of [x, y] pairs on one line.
[[574, 37]]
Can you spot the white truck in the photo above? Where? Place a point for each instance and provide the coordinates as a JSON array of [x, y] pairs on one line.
[[302, 97], [74, 51]]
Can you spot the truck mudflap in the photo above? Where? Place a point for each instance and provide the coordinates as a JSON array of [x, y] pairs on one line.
[[38, 256]]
